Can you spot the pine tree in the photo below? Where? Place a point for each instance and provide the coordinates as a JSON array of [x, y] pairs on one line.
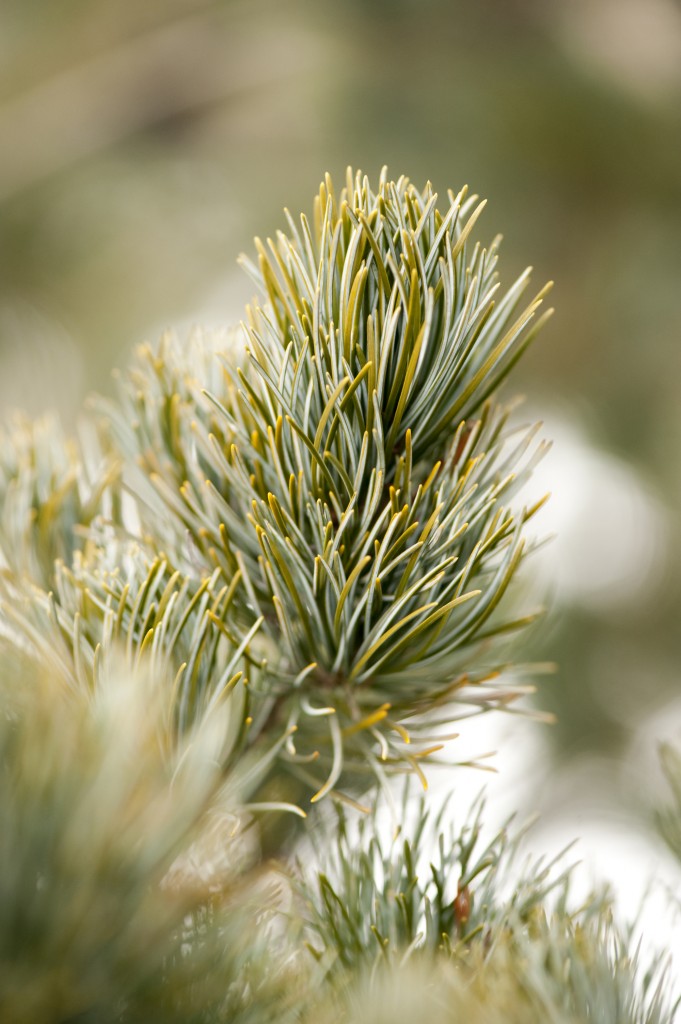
[[278, 572]]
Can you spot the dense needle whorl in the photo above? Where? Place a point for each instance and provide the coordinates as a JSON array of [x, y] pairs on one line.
[[364, 494], [325, 513]]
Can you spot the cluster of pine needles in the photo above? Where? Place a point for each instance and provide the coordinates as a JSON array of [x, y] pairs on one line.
[[278, 571]]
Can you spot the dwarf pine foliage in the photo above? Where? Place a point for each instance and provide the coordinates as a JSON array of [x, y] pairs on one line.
[[278, 571]]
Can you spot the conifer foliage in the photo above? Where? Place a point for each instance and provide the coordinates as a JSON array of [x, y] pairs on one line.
[[274, 572]]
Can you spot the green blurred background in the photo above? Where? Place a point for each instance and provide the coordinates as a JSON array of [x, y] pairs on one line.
[[144, 144]]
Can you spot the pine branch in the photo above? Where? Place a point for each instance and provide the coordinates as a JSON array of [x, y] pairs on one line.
[[272, 572], [465, 932], [357, 473], [128, 890], [51, 490], [424, 890]]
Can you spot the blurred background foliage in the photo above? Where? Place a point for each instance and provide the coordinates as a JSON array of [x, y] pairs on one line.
[[143, 145]]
